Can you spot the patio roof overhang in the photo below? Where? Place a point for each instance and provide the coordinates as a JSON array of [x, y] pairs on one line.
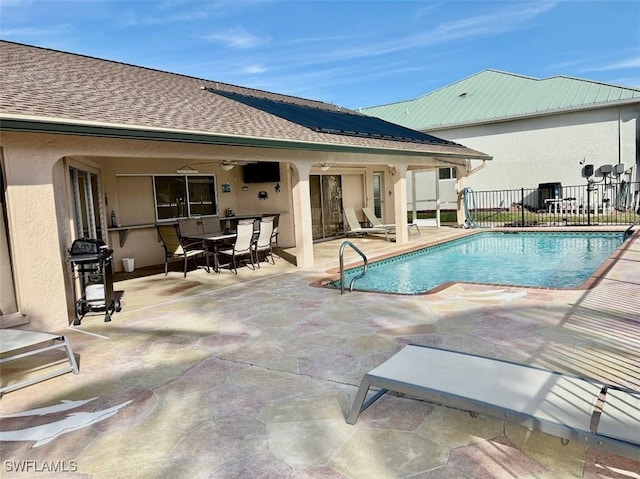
[[105, 130]]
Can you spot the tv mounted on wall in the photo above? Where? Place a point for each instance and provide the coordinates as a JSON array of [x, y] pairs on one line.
[[265, 172]]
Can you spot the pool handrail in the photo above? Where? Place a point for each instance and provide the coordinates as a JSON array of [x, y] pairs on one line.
[[366, 265], [629, 231]]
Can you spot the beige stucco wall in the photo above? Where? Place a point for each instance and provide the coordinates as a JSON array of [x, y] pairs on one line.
[[128, 187], [39, 204], [32, 202]]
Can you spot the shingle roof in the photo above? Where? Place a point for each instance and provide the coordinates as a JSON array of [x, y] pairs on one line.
[[492, 95], [44, 84]]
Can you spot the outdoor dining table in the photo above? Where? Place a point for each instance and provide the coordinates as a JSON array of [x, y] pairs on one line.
[[213, 239]]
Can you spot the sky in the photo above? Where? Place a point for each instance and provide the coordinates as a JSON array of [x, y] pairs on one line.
[[350, 53]]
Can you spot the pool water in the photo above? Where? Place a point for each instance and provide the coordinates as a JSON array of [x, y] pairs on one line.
[[554, 260]]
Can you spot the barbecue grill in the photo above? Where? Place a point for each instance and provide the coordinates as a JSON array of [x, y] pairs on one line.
[[92, 279]]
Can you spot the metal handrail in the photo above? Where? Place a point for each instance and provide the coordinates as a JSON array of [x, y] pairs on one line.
[[629, 231], [366, 265]]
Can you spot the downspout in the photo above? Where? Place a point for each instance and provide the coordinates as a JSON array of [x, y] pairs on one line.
[[619, 135], [477, 168]]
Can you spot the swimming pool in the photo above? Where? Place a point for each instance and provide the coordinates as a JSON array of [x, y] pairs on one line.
[[552, 260]]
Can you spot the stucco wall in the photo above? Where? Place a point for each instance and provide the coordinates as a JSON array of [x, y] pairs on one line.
[[32, 169], [128, 186], [549, 149], [39, 202]]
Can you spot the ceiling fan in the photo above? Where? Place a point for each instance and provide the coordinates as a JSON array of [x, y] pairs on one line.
[[228, 165]]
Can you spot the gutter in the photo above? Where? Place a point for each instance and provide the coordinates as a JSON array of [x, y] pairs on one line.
[[33, 125]]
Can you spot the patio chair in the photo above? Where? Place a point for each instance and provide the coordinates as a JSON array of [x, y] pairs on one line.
[[242, 247], [354, 225], [263, 243], [189, 227], [377, 222], [274, 234], [175, 246], [211, 225]]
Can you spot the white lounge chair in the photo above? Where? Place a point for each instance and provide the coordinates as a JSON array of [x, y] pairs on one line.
[[588, 411], [17, 344], [356, 229], [377, 222]]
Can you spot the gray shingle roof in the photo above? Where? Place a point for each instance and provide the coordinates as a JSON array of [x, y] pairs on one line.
[[497, 96], [44, 84]]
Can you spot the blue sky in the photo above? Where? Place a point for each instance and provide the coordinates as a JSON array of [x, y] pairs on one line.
[[351, 53]]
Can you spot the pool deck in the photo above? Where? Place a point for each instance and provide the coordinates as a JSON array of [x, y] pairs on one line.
[[250, 375]]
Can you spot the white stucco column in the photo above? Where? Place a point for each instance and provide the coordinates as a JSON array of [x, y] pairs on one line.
[[400, 203], [302, 225], [38, 265]]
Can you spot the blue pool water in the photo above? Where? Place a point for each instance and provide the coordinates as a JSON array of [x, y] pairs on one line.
[[555, 260]]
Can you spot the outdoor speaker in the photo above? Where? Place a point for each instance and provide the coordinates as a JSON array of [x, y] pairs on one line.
[[606, 170], [587, 171], [618, 169]]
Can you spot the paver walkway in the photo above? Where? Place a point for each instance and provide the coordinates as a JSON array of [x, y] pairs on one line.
[[247, 376]]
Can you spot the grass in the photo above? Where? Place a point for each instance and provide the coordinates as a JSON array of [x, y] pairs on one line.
[[532, 218]]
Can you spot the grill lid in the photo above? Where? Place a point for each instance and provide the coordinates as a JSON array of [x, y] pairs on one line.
[[87, 246]]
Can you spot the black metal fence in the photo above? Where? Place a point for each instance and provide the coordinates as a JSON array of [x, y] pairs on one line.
[[551, 204]]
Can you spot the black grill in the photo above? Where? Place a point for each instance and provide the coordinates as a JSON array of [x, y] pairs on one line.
[[92, 278]]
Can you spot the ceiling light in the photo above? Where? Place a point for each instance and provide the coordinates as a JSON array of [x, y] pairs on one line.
[[325, 166], [226, 166]]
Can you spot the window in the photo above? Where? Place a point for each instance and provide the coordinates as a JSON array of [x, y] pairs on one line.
[[184, 196], [447, 173]]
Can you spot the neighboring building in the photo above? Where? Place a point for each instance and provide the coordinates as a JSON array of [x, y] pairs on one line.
[[101, 149], [537, 130]]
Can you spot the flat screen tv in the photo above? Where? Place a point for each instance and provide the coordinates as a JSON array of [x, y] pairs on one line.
[[265, 172]]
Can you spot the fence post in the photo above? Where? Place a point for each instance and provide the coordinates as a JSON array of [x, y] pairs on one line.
[[589, 190], [522, 205]]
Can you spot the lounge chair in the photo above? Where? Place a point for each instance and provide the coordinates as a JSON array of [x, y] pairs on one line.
[[17, 344], [377, 222], [355, 228], [588, 411]]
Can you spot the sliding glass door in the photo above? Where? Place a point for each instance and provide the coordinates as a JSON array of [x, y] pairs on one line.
[[88, 212], [326, 205]]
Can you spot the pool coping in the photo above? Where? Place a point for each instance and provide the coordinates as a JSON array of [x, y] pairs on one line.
[[589, 283]]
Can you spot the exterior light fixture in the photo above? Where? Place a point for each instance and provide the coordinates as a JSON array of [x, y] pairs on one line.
[[325, 166], [226, 166]]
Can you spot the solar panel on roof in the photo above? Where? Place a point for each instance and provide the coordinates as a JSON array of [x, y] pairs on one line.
[[334, 122]]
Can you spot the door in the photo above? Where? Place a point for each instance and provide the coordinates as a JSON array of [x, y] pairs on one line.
[[88, 210], [326, 206], [378, 194]]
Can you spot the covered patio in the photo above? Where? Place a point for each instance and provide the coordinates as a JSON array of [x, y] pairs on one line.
[[219, 375]]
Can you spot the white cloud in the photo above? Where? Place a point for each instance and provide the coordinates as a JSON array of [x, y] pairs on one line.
[[633, 62], [492, 24], [236, 38], [29, 32], [254, 69]]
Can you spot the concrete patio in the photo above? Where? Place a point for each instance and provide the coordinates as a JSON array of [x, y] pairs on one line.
[[225, 376]]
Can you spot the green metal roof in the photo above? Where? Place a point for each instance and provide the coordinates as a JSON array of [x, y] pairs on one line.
[[492, 95]]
